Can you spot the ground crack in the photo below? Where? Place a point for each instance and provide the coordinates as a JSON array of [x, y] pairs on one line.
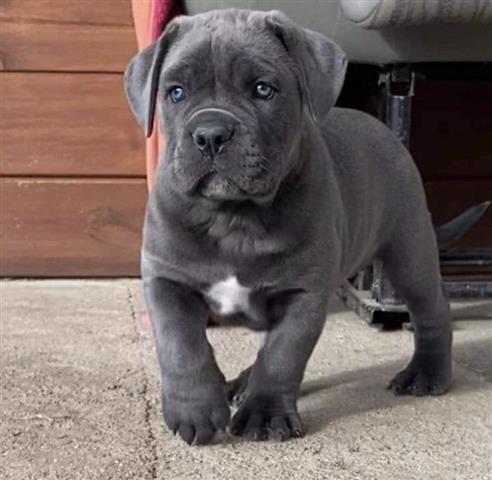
[[150, 441]]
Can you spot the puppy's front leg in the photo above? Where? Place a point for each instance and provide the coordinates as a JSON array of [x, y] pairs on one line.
[[193, 397], [269, 409]]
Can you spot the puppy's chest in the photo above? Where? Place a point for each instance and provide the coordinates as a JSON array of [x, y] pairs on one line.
[[235, 303], [228, 296]]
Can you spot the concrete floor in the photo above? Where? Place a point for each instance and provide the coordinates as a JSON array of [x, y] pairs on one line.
[[79, 398]]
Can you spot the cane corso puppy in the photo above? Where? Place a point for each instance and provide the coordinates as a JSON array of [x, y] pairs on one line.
[[266, 199]]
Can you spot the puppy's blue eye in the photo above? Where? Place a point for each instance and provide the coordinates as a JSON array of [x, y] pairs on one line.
[[264, 91], [177, 94]]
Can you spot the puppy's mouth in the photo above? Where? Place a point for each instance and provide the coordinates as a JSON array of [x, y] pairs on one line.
[[219, 188]]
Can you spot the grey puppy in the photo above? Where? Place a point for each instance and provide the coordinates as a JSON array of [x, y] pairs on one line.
[[267, 198]]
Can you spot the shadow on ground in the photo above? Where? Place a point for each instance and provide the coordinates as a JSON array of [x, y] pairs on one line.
[[364, 390]]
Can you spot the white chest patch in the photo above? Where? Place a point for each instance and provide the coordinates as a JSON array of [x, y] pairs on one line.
[[230, 296]]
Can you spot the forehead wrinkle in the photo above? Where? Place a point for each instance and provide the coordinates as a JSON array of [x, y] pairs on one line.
[[250, 43], [257, 63], [178, 70], [186, 58], [231, 60]]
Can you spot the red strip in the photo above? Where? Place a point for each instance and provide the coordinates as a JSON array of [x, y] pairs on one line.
[[164, 12]]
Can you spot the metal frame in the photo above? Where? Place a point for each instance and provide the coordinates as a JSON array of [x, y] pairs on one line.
[[391, 315], [371, 294]]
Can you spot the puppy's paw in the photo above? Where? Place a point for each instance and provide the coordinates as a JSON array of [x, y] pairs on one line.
[[267, 417], [420, 381], [236, 389], [196, 406], [196, 420]]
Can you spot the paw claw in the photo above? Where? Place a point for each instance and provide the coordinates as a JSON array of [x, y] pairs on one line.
[[420, 381], [259, 435], [298, 433], [187, 433], [196, 423], [263, 418]]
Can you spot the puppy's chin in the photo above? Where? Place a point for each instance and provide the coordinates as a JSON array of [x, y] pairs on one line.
[[215, 187], [221, 189]]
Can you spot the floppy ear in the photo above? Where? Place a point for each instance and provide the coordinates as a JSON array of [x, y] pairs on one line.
[[321, 62], [142, 78]]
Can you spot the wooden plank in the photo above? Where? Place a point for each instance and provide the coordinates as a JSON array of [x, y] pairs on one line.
[[71, 227], [66, 35], [92, 227], [68, 124], [451, 129], [104, 12], [447, 199]]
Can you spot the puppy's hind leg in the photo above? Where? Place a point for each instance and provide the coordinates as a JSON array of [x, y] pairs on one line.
[[412, 263]]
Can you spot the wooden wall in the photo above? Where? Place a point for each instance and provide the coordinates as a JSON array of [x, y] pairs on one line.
[[72, 186], [72, 189]]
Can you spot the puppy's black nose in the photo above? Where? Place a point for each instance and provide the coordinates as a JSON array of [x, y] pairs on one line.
[[210, 139]]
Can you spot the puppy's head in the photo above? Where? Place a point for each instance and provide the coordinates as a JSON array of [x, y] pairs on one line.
[[233, 89]]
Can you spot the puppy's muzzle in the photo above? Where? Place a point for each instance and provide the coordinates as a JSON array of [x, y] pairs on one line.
[[211, 129], [211, 138]]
